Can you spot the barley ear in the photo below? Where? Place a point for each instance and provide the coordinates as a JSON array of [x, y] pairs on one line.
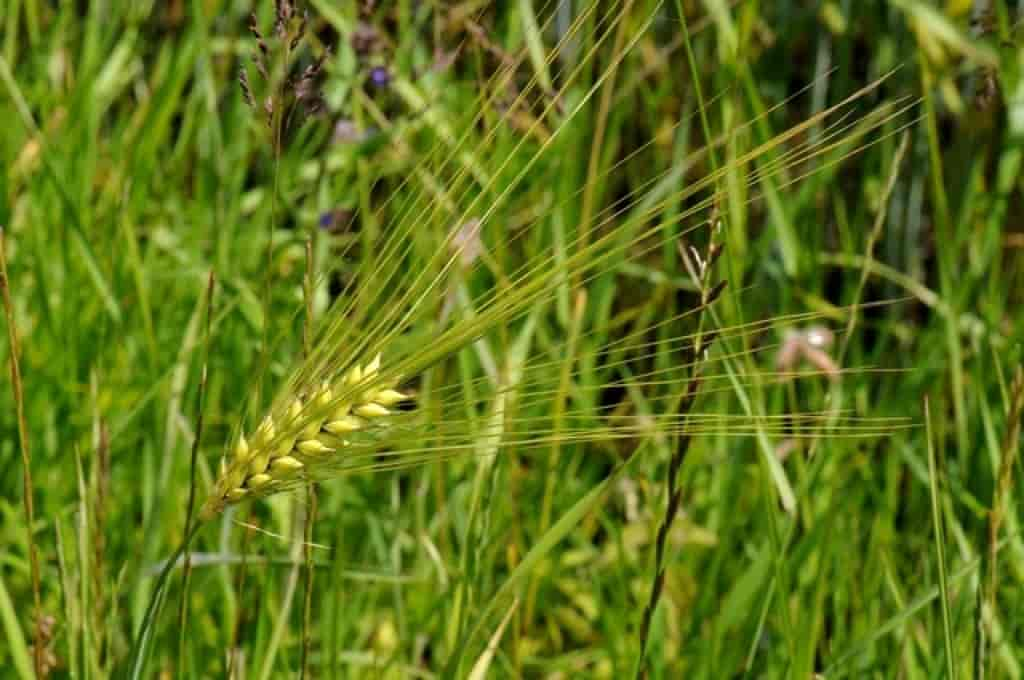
[[305, 437]]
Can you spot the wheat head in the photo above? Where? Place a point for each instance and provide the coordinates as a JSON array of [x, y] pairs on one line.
[[310, 433]]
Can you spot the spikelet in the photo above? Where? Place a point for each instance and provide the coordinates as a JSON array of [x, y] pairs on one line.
[[306, 435]]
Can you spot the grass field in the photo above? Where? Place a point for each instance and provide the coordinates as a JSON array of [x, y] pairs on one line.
[[604, 464]]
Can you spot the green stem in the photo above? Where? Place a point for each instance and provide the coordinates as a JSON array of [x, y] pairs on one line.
[[141, 647]]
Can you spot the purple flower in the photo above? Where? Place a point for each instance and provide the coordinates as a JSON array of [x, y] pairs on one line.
[[337, 220], [380, 76]]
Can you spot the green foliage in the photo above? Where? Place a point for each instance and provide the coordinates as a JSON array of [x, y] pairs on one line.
[[849, 152]]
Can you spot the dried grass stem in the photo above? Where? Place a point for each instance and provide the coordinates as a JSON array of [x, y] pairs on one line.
[[26, 459]]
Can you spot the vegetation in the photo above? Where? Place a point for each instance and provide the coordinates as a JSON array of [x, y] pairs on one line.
[[554, 339]]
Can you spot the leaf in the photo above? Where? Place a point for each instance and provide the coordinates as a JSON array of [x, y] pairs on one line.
[[15, 638], [483, 663]]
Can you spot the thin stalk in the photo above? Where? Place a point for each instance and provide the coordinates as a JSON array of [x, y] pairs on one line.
[[307, 293], [558, 418], [193, 467], [598, 142], [701, 108], [277, 120], [140, 648], [26, 458], [675, 497], [1010, 447], [307, 609], [940, 547], [311, 505], [869, 248], [268, 274], [777, 546], [947, 269], [672, 489], [673, 492], [264, 359], [101, 475], [234, 657]]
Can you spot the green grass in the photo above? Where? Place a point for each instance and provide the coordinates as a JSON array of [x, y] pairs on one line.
[[133, 168]]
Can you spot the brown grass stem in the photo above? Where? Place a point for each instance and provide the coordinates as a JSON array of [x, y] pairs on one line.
[[26, 457], [1009, 450], [700, 269], [675, 497]]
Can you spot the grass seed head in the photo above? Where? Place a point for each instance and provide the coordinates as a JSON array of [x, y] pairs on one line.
[[303, 437]]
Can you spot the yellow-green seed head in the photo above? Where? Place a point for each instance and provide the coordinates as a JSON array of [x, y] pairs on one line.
[[264, 433], [283, 449], [323, 396], [389, 397], [372, 367], [242, 449], [278, 449], [259, 462], [257, 482], [313, 447], [236, 475], [285, 466], [295, 409], [344, 425], [372, 410], [311, 430]]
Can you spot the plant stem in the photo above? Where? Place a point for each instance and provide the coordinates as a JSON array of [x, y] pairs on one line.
[[673, 492], [1011, 437], [307, 608], [140, 648], [26, 458], [598, 140], [940, 545], [193, 465], [675, 496]]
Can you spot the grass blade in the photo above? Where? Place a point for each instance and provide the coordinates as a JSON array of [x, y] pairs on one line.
[[16, 645], [940, 545]]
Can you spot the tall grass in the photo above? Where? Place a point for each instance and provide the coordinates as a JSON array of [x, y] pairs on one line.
[[513, 207]]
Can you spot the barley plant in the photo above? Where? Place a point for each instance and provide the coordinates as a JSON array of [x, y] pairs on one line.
[[538, 339]]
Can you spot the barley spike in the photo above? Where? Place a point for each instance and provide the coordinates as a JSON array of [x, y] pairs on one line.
[[302, 436]]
